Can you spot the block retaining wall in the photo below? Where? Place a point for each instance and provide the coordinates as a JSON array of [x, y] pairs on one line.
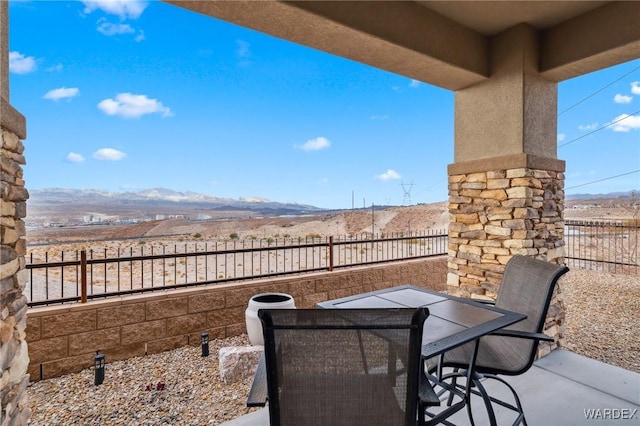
[[63, 339]]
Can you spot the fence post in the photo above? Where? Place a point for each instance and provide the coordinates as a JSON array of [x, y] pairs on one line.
[[330, 253], [83, 276]]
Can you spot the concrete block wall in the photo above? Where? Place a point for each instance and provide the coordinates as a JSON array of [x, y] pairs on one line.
[[63, 339]]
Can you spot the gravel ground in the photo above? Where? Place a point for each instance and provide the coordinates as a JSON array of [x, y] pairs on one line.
[[602, 323], [193, 393], [603, 316]]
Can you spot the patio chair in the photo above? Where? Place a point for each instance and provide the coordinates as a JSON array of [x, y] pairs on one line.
[[526, 287], [343, 367]]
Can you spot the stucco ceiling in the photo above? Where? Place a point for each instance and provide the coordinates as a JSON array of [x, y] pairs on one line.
[[445, 43], [492, 17]]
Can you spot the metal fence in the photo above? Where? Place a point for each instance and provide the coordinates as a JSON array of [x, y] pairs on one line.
[[88, 274], [610, 246]]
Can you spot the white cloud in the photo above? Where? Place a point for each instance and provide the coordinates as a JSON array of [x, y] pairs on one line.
[[388, 175], [72, 157], [140, 36], [56, 68], [109, 29], [109, 154], [314, 144], [414, 84], [379, 117], [125, 9], [622, 99], [561, 137], [61, 93], [244, 49], [625, 123], [323, 181], [243, 52], [635, 87], [20, 64], [128, 105], [588, 127]]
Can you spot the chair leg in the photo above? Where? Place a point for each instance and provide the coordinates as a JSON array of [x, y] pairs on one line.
[[454, 383], [488, 400]]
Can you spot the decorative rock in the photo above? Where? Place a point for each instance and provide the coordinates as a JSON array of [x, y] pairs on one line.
[[238, 362]]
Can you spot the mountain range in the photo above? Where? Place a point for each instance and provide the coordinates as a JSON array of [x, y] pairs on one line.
[[148, 202]]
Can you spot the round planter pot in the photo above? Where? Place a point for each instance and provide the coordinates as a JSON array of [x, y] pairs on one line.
[[264, 301]]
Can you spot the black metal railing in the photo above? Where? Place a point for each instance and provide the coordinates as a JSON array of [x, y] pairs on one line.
[[79, 275], [604, 245], [88, 274]]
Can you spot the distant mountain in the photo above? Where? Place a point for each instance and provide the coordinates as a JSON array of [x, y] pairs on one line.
[[623, 194], [152, 201]]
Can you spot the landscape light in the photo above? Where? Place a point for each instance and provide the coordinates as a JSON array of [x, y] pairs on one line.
[[204, 340], [98, 362]]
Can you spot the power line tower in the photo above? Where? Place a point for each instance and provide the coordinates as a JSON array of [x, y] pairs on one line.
[[406, 188]]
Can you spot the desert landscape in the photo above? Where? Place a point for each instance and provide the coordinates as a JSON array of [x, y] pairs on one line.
[[71, 218], [234, 229], [601, 319]]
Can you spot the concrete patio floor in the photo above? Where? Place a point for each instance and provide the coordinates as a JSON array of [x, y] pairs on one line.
[[561, 389]]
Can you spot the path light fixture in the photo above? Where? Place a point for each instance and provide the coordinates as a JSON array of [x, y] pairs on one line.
[[98, 362], [204, 340]]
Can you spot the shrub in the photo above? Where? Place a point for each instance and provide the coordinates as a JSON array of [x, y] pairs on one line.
[[234, 236]]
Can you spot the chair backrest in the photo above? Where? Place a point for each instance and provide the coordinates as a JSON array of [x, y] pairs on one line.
[[343, 366], [527, 287]]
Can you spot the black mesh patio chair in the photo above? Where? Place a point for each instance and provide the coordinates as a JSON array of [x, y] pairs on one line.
[[343, 367], [526, 287]]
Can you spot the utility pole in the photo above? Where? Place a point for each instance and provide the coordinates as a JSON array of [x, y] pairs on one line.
[[373, 221], [407, 193]]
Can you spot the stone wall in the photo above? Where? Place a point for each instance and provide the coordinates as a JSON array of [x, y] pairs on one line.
[[63, 339], [497, 214], [14, 357]]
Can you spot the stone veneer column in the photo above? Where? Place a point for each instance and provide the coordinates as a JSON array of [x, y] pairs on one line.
[[497, 214], [14, 359]]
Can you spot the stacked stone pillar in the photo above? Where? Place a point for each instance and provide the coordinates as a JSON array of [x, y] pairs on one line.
[[497, 214], [14, 359]]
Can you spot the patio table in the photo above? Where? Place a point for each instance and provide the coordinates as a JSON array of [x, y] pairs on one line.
[[452, 322]]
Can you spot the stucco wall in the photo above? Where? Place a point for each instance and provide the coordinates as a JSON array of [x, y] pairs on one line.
[[63, 339]]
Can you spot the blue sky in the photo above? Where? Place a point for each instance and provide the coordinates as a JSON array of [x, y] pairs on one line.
[[128, 95]]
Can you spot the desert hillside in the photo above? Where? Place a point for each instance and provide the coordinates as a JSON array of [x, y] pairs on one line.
[[389, 220]]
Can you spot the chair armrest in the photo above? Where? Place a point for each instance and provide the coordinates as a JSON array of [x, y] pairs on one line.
[[522, 335], [258, 392], [484, 301], [426, 394]]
